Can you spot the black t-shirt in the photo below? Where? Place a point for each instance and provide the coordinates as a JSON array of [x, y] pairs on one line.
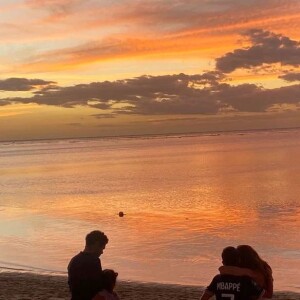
[[229, 287], [85, 276]]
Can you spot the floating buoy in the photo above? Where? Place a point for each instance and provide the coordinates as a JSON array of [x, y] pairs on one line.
[[121, 214]]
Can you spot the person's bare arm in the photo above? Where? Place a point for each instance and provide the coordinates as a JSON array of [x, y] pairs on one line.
[[232, 270], [258, 277]]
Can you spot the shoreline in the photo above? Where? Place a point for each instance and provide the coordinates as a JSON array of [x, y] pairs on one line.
[[28, 286]]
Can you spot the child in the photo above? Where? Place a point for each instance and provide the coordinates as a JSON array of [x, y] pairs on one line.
[[109, 278]]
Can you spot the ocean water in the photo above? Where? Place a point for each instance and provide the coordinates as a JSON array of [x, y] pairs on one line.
[[185, 198]]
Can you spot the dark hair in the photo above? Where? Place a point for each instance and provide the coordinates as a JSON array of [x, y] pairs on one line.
[[109, 278], [250, 259], [96, 236], [230, 256]]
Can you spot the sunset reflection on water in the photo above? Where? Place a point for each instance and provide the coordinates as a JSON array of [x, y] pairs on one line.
[[184, 199]]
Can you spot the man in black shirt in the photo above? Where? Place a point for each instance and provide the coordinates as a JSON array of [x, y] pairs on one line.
[[229, 287], [85, 270]]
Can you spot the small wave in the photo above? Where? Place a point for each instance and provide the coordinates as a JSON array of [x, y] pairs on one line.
[[7, 267]]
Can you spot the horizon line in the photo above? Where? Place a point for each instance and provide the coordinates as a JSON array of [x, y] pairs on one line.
[[149, 135]]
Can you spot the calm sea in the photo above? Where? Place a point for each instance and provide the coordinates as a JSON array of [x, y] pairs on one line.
[[185, 198]]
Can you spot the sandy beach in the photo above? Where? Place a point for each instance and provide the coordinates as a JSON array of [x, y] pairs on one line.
[[26, 286]]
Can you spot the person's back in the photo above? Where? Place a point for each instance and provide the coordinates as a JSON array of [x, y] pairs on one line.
[[85, 273], [84, 269], [230, 287]]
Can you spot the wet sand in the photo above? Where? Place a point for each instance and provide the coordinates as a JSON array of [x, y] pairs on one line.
[[27, 286]]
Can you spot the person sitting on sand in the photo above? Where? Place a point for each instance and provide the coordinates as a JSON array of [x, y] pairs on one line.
[[253, 266], [109, 278], [84, 269], [226, 286]]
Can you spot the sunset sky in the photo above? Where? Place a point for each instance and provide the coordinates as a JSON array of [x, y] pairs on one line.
[[82, 68]]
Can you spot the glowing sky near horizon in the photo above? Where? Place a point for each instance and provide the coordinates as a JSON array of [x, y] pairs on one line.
[[73, 68]]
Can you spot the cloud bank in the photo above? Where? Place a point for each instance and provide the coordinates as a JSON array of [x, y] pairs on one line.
[[65, 34], [291, 76], [209, 93], [179, 94], [266, 48], [22, 84]]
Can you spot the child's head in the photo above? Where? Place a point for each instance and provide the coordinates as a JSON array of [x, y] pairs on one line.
[[230, 256], [109, 279]]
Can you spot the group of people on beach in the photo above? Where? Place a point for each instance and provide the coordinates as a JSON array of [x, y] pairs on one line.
[[243, 275]]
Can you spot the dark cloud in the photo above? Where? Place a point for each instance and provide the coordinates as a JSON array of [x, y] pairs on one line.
[[104, 116], [142, 95], [22, 84], [291, 77], [267, 48], [252, 98], [4, 102], [179, 94]]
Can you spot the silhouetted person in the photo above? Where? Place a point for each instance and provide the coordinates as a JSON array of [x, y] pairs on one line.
[[85, 270], [230, 287]]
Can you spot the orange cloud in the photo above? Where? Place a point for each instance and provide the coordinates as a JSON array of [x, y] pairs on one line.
[[129, 47], [62, 19]]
